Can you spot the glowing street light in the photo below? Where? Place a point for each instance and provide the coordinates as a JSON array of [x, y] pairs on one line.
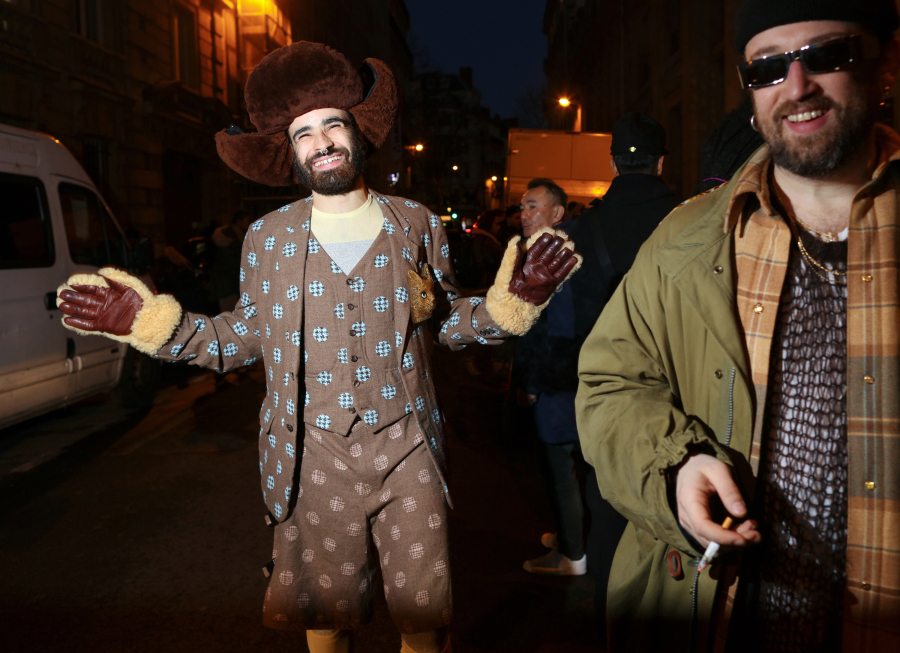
[[565, 103], [419, 147], [456, 167], [494, 178]]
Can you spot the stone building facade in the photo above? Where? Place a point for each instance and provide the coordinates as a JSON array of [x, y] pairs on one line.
[[671, 59], [137, 89], [464, 145]]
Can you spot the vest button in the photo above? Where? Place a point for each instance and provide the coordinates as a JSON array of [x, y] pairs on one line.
[[869, 379], [350, 307], [718, 269], [349, 282], [866, 585], [870, 485], [351, 410], [867, 278], [290, 428], [352, 333], [354, 358], [758, 308], [718, 374], [356, 384]]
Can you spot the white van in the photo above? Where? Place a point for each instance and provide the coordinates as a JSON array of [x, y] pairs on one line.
[[53, 223]]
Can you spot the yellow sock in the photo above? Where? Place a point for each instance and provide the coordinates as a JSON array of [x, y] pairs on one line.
[[433, 641], [328, 641]]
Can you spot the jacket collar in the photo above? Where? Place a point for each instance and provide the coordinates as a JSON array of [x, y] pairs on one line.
[[634, 189], [752, 179]]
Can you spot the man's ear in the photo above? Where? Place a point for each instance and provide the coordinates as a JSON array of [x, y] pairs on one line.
[[659, 165], [612, 165], [558, 212]]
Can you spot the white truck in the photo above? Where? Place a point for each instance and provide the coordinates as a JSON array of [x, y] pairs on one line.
[[54, 223], [577, 161]]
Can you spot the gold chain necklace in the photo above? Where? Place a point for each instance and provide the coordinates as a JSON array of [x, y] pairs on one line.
[[794, 222]]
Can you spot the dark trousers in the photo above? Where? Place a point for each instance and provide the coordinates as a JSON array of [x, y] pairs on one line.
[[607, 526], [556, 463]]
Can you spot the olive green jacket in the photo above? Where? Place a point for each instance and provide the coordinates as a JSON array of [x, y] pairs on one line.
[[664, 370]]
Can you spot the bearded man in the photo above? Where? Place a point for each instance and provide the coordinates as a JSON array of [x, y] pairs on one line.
[[748, 366], [341, 296]]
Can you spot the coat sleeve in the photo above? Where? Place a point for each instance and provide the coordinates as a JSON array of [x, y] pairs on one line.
[[630, 422], [461, 320], [230, 339]]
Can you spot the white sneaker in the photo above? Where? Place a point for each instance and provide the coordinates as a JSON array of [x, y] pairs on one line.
[[554, 563]]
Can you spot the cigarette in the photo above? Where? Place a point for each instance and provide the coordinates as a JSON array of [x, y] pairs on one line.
[[712, 549]]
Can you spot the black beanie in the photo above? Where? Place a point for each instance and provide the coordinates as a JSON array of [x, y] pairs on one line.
[[755, 16]]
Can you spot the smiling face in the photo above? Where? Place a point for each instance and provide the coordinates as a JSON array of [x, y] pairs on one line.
[[328, 154], [814, 124], [539, 211]]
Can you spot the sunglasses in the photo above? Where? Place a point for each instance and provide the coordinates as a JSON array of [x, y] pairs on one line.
[[826, 57]]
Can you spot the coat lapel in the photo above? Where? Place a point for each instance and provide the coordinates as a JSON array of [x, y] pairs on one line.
[[405, 256], [292, 271]]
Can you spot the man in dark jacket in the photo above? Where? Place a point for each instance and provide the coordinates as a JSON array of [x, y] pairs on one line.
[[612, 230], [609, 235]]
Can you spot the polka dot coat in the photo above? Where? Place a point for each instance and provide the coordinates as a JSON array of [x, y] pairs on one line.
[[267, 324]]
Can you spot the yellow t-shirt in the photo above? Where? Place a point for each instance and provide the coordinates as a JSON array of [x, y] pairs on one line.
[[346, 237]]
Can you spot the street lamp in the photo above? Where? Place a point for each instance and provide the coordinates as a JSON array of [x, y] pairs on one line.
[[494, 178], [456, 167], [419, 147], [566, 102]]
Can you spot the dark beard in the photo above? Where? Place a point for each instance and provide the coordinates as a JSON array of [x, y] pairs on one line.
[[828, 150], [337, 181]]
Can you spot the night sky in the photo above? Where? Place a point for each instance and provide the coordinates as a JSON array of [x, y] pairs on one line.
[[501, 41]]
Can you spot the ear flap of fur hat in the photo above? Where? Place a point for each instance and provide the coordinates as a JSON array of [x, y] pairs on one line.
[[266, 159], [377, 114]]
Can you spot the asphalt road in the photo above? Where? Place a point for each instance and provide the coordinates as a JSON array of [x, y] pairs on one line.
[[123, 531]]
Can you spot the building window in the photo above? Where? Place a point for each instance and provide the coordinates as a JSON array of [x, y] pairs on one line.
[[89, 23], [186, 47]]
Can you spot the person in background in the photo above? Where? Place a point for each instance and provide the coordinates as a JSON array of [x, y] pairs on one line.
[[573, 210], [512, 225], [545, 373], [731, 143], [610, 233], [223, 275], [747, 366], [543, 205]]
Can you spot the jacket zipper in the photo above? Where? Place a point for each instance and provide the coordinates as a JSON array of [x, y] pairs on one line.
[[695, 589]]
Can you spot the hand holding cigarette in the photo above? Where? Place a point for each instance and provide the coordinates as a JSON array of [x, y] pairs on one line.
[[713, 548], [699, 478]]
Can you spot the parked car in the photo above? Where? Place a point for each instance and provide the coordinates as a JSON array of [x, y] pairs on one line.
[[54, 223]]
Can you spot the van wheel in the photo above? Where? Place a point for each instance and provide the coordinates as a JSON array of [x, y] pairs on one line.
[[140, 380]]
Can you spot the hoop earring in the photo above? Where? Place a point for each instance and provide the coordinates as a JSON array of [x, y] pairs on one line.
[[753, 124]]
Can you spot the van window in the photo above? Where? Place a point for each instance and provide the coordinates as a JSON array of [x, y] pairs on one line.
[[26, 238], [92, 235]]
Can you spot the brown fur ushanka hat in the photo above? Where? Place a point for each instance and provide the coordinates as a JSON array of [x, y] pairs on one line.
[[291, 81]]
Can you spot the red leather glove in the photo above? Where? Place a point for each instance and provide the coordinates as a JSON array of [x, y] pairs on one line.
[[541, 269], [107, 310]]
